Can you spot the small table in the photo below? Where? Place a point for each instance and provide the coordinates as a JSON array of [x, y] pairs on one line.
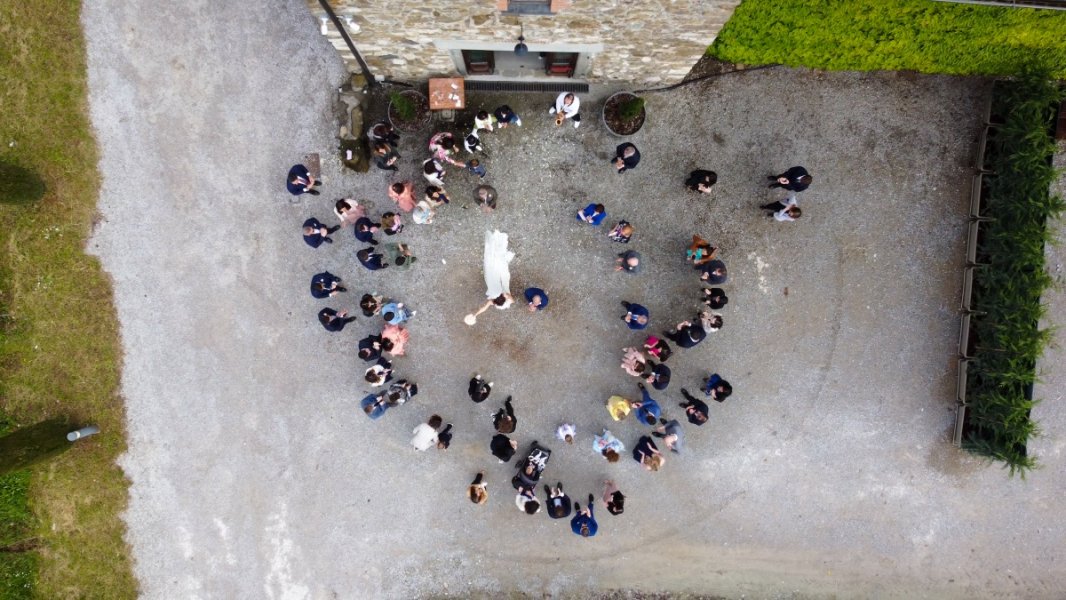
[[447, 93]]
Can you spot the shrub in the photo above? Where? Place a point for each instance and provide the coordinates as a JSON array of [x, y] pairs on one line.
[[630, 108], [918, 35], [1009, 285], [404, 106]]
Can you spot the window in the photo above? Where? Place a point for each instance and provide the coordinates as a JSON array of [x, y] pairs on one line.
[[528, 7]]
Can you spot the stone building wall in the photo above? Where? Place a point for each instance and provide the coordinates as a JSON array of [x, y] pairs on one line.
[[643, 41]]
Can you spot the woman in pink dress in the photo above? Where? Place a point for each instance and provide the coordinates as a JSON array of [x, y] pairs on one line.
[[349, 211], [404, 195], [398, 336], [633, 361]]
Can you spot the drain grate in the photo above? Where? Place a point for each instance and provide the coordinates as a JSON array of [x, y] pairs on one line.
[[480, 85]]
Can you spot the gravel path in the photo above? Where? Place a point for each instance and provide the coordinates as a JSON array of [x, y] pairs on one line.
[[828, 471]]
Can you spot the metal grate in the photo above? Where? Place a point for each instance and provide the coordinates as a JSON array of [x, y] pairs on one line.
[[478, 85]]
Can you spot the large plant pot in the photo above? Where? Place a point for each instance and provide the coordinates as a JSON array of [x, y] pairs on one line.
[[615, 122], [421, 118]]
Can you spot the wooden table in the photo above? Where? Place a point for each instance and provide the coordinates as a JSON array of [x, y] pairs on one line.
[[447, 93]]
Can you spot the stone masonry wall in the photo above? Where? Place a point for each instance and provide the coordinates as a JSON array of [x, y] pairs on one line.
[[644, 41]]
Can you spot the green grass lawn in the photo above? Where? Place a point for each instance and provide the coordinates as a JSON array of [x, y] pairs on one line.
[[59, 347], [918, 35]]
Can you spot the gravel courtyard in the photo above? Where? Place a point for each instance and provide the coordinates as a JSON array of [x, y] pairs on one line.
[[828, 473]]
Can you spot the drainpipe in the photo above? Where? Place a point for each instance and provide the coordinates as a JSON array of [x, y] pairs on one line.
[[370, 81]]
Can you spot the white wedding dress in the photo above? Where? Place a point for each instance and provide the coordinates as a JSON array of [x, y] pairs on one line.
[[497, 264]]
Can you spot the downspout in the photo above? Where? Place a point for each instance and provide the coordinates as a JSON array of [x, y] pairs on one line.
[[370, 80]]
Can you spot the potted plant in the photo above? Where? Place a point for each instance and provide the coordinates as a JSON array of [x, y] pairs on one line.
[[624, 113], [408, 111]]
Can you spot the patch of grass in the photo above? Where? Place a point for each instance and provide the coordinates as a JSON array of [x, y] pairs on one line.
[[1007, 290], [870, 35], [59, 348]]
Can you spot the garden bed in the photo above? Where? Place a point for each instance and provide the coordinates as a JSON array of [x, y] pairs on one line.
[[1001, 339]]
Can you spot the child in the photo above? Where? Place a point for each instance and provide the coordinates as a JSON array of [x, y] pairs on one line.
[[505, 116], [484, 120], [472, 143], [566, 433], [444, 438], [436, 196], [621, 232], [475, 167], [593, 214]]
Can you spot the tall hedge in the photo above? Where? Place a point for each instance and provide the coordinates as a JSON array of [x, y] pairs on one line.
[[918, 35]]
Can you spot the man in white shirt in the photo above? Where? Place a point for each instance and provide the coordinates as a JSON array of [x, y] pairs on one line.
[[426, 434], [566, 107]]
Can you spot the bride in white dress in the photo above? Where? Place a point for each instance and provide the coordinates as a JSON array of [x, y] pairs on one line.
[[497, 275]]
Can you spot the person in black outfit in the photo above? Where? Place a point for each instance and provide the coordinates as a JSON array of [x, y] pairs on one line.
[[326, 284], [444, 438], [371, 346], [715, 297], [382, 131], [333, 320], [503, 447], [365, 230], [658, 375], [695, 409], [626, 157], [701, 181], [479, 389], [385, 156], [714, 272], [687, 335], [558, 502], [795, 179], [505, 422], [370, 259], [316, 234]]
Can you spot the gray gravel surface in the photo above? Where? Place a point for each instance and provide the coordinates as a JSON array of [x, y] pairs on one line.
[[828, 473]]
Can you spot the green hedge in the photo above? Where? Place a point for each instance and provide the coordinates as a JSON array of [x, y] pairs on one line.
[[1007, 290], [918, 35]]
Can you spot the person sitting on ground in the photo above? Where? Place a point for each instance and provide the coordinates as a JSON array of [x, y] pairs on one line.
[[658, 348], [671, 434], [392, 223], [504, 420], [628, 261], [612, 498], [717, 388], [526, 500], [715, 297], [714, 272], [622, 232], [370, 259], [300, 181], [333, 320], [608, 446], [503, 447], [479, 389], [700, 251], [425, 435], [316, 234], [648, 455], [695, 409], [636, 316], [403, 194], [626, 157], [505, 116], [648, 410], [566, 433], [584, 523], [484, 120], [701, 181], [796, 179], [593, 214], [536, 299], [478, 492], [558, 502], [326, 285]]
